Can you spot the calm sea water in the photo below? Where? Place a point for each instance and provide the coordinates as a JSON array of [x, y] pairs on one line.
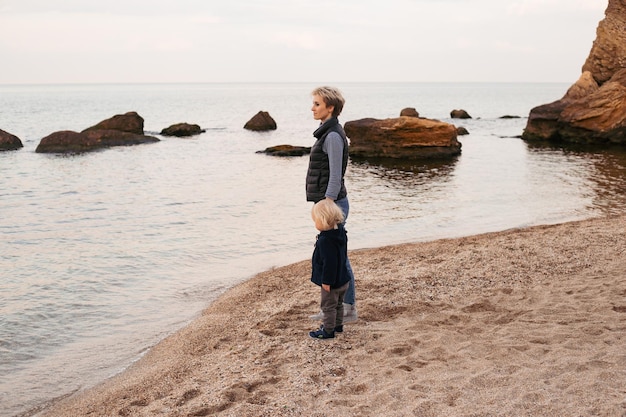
[[104, 254]]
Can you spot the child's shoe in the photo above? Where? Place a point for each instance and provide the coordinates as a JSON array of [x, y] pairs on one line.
[[322, 334], [339, 329]]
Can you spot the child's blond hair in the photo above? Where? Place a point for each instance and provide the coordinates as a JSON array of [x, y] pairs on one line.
[[328, 213]]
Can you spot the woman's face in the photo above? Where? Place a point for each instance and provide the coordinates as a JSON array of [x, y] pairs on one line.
[[320, 110]]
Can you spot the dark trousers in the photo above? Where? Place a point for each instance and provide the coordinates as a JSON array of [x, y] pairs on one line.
[[332, 307]]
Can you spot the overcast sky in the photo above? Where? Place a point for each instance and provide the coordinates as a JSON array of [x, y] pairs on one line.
[[107, 41]]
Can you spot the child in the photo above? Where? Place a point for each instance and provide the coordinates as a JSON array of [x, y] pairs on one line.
[[329, 269]]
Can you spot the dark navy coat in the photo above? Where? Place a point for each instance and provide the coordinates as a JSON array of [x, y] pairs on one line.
[[329, 258]]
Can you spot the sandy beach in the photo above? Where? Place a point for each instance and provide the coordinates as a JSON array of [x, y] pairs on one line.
[[523, 322]]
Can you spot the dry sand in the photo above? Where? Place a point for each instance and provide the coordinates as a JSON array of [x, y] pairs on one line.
[[524, 322]]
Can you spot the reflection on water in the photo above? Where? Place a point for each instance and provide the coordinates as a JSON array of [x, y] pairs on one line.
[[602, 170], [405, 171], [404, 183], [497, 183]]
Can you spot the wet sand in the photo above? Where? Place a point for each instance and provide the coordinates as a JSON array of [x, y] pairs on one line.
[[524, 322]]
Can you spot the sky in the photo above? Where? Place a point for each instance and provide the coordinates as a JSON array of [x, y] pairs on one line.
[[132, 41]]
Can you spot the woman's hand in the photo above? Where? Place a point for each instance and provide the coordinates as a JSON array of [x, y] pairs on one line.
[[326, 287]]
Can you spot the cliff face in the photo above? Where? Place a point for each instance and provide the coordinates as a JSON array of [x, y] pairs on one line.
[[608, 53], [593, 110]]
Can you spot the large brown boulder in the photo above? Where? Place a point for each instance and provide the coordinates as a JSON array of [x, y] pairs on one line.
[[593, 111], [9, 142], [260, 122], [68, 141], [129, 122], [402, 138]]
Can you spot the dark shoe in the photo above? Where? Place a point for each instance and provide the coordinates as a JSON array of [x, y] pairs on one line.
[[339, 329], [321, 334]]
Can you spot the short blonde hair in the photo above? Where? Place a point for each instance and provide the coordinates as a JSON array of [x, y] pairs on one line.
[[332, 97], [328, 213]]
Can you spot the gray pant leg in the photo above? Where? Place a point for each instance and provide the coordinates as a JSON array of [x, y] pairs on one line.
[[332, 307]]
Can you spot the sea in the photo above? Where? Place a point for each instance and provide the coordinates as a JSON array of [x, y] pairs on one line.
[[104, 254]]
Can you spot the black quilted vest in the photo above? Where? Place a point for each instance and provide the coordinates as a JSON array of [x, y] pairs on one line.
[[318, 174]]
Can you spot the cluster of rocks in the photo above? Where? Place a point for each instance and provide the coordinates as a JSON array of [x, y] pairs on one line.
[[593, 110], [120, 130], [406, 137], [127, 129]]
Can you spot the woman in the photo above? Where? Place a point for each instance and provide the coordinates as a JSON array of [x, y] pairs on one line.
[[327, 166]]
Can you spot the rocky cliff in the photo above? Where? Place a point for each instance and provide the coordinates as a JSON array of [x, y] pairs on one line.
[[593, 111]]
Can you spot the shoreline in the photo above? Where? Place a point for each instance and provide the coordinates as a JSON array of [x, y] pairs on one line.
[[519, 322]]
